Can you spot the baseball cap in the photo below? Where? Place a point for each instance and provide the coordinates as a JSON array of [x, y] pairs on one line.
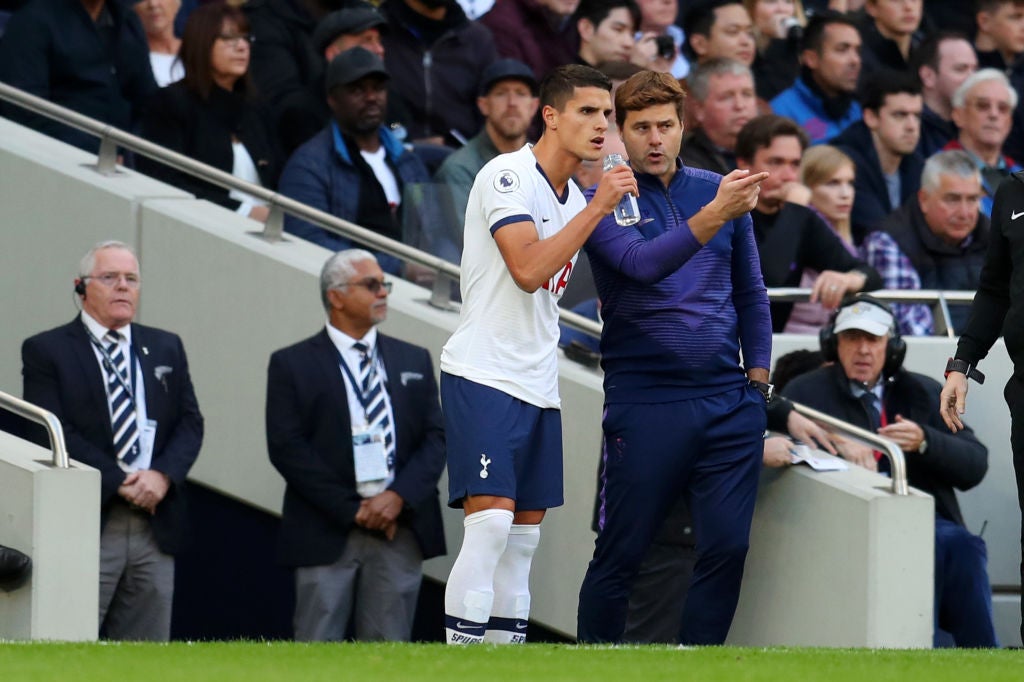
[[866, 317], [352, 65], [507, 69], [346, 21]]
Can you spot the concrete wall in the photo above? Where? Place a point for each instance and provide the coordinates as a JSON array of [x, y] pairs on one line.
[[234, 299], [40, 515]]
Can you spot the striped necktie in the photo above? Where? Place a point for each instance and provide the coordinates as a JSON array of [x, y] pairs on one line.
[[122, 407], [372, 388]]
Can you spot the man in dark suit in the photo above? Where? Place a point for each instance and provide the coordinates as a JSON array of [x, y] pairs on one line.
[[123, 394], [354, 426]]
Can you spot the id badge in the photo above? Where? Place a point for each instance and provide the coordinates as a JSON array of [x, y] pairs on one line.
[[147, 437], [371, 459]]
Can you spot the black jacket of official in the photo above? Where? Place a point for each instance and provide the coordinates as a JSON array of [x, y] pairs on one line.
[[951, 460]]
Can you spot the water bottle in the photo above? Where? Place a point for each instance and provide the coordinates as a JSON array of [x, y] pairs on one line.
[[626, 212]]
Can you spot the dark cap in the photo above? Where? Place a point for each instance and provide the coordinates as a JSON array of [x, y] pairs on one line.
[[507, 69], [350, 20], [352, 65]]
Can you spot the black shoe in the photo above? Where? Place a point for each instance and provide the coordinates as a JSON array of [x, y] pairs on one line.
[[15, 568]]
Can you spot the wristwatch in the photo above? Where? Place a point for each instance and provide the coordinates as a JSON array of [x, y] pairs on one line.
[[964, 367], [767, 390]]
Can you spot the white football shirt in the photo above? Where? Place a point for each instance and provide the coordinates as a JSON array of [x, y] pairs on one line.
[[508, 339]]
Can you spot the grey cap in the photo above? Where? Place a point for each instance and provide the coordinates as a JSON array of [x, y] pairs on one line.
[[352, 65], [346, 21], [507, 69]]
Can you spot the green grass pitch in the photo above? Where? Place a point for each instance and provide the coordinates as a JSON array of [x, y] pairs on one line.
[[256, 662]]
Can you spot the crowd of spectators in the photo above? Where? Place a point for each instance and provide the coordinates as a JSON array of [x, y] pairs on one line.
[[247, 88]]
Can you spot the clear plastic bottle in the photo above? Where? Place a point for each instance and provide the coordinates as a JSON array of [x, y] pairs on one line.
[[626, 212]]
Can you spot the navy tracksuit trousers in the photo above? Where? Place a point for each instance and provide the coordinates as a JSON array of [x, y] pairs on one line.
[[707, 448]]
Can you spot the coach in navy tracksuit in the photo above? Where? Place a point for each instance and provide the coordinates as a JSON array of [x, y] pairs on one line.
[[681, 293]]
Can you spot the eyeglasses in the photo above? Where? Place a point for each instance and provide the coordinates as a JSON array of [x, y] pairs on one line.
[[372, 285], [233, 39], [112, 279], [983, 105]]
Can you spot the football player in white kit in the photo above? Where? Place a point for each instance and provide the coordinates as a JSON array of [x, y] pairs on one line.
[[525, 223]]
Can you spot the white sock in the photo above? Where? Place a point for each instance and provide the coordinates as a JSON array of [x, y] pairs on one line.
[[470, 591], [511, 609]]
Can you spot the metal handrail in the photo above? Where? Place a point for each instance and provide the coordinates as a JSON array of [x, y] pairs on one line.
[[447, 273], [40, 416], [897, 462]]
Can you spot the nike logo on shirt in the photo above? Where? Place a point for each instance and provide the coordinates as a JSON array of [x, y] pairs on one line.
[[1016, 214]]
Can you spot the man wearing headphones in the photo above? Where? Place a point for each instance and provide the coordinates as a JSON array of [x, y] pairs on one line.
[[123, 394], [867, 386]]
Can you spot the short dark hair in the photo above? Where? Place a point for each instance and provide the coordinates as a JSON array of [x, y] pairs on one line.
[[202, 29], [596, 11], [884, 83], [760, 132], [927, 53], [558, 86], [814, 32], [793, 364], [648, 89]]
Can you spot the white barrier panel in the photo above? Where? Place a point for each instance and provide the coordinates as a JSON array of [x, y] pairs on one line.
[[835, 560], [53, 516]]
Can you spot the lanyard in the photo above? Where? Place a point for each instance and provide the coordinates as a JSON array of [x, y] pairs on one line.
[[363, 398], [108, 364]]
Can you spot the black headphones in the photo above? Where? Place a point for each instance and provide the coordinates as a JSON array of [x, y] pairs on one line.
[[80, 286], [895, 349]]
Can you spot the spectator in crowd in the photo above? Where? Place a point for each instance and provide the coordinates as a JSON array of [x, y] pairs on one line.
[[539, 33], [941, 64], [508, 102], [286, 70], [937, 240], [359, 25], [123, 394], [646, 280], [90, 56], [607, 30], [659, 41], [867, 386], [157, 17], [982, 110], [999, 42], [354, 168], [354, 427], [779, 29], [722, 101], [790, 237], [883, 146], [210, 115], [719, 28], [1000, 37], [890, 33], [828, 174], [822, 98], [435, 56]]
